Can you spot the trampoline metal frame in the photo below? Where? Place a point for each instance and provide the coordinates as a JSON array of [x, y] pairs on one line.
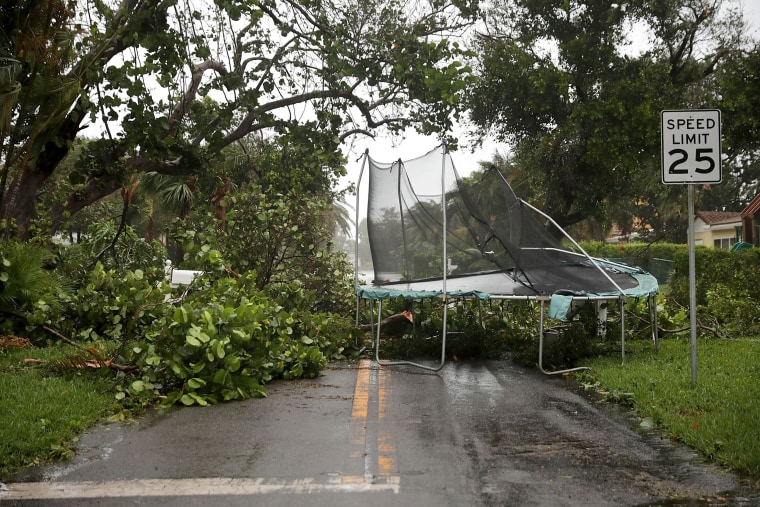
[[542, 301]]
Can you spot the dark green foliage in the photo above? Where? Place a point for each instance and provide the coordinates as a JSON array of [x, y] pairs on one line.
[[575, 118], [125, 252], [495, 330], [108, 304], [727, 284], [409, 61], [638, 253], [26, 284], [566, 344], [476, 329], [113, 298], [715, 267]]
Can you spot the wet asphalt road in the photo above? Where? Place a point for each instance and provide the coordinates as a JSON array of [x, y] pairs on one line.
[[474, 434]]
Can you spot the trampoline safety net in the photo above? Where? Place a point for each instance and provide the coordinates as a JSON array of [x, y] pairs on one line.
[[416, 205]]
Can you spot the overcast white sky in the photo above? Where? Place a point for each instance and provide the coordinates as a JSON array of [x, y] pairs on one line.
[[752, 13]]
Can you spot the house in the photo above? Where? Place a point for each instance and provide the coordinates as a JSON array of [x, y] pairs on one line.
[[750, 217], [718, 229]]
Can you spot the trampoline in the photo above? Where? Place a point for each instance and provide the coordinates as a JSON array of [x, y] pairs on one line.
[[435, 234]]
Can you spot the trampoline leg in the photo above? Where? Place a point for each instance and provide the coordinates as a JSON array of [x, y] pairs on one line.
[[622, 329], [541, 349], [601, 319], [377, 336], [372, 322], [541, 338], [653, 320], [414, 320], [358, 300], [382, 362]]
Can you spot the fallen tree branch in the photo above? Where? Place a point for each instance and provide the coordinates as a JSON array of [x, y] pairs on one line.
[[63, 338], [98, 362], [396, 317], [713, 330]]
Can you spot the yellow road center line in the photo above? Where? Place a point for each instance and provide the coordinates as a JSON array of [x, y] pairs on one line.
[[386, 459], [369, 431]]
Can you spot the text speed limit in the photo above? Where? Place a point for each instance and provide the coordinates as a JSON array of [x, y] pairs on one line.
[[691, 146]]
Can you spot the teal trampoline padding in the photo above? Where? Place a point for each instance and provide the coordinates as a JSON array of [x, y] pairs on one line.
[[647, 286], [559, 306], [498, 286]]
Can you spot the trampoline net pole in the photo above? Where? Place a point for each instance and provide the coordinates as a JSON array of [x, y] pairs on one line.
[[356, 234], [445, 263]]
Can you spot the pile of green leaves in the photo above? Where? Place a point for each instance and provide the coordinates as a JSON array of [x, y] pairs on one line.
[[476, 329], [278, 238], [487, 330], [226, 341]]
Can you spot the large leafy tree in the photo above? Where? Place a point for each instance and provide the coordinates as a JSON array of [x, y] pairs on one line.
[[737, 94], [578, 86], [172, 83]]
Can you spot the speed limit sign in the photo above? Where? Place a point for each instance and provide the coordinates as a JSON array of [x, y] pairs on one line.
[[691, 146]]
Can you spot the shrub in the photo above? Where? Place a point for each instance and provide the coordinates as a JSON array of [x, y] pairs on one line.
[[26, 284], [279, 240], [127, 252], [736, 270], [727, 285]]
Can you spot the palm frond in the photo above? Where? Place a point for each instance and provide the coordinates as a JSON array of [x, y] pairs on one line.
[[26, 279]]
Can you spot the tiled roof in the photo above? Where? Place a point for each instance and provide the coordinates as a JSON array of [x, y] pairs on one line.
[[752, 208], [719, 217]]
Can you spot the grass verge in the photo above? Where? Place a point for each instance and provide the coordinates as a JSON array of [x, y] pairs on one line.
[[718, 417], [42, 413]]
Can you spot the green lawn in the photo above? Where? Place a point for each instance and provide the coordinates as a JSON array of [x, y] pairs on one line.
[[719, 416], [41, 413]]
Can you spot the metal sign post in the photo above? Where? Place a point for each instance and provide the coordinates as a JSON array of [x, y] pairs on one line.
[[692, 289], [691, 154]]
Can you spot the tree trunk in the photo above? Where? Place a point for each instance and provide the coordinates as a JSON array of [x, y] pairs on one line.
[[95, 190], [19, 205], [220, 211], [42, 159]]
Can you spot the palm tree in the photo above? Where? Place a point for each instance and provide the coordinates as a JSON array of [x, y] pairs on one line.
[[162, 194]]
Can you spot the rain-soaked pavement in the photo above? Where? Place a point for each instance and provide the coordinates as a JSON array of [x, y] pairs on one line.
[[476, 433]]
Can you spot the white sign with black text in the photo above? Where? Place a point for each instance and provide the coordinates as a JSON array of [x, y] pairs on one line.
[[691, 151]]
